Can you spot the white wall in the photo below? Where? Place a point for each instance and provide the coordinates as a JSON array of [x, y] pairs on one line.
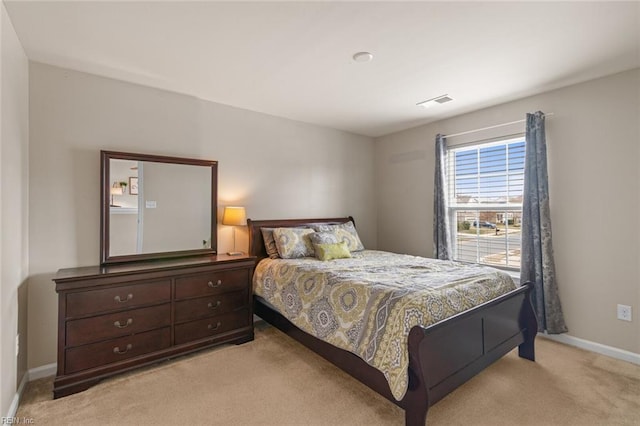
[[276, 168], [594, 182], [14, 138]]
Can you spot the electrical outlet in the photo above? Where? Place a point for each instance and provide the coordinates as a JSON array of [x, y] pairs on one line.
[[624, 312], [17, 344]]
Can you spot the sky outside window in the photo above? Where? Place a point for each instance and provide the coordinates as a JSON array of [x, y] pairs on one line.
[[490, 174]]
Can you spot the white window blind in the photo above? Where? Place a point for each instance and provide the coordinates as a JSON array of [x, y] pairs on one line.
[[485, 183]]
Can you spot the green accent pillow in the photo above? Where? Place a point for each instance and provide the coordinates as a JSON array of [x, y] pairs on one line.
[[332, 251]]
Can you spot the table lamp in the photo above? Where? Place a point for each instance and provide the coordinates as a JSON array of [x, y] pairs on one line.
[[115, 190], [234, 216]]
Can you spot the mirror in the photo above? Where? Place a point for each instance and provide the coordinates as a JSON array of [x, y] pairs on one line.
[[156, 207]]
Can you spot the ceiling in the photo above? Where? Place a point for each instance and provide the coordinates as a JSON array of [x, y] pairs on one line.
[[294, 59]]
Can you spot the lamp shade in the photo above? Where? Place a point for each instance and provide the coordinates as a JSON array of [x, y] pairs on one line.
[[116, 190], [234, 216]]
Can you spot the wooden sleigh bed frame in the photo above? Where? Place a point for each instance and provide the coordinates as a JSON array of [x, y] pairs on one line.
[[441, 357]]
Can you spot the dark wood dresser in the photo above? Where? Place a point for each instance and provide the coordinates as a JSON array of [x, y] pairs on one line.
[[115, 318]]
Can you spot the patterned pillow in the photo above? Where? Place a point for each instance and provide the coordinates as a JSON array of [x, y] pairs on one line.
[[269, 243], [293, 242], [324, 238], [332, 251], [345, 232]]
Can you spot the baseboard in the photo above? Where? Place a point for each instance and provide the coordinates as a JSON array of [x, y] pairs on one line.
[[32, 374], [13, 408], [43, 371], [609, 351]]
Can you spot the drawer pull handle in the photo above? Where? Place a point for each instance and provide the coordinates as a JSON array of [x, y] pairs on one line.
[[212, 328], [128, 323], [117, 350], [120, 300], [217, 284], [217, 305]]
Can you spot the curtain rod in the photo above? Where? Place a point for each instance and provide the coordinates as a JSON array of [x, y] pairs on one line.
[[491, 127]]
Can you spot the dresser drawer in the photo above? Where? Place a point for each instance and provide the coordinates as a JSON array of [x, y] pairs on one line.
[[113, 298], [109, 326], [191, 309], [99, 354], [210, 327], [212, 283]]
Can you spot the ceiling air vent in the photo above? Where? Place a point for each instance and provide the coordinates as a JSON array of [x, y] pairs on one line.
[[442, 99]]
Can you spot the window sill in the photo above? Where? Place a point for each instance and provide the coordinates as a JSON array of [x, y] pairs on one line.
[[514, 273]]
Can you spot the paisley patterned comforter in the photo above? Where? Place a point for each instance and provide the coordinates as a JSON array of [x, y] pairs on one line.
[[368, 304]]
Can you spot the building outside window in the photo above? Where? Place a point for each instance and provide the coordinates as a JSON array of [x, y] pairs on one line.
[[485, 184]]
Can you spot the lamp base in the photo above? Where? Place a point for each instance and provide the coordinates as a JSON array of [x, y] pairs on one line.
[[234, 253]]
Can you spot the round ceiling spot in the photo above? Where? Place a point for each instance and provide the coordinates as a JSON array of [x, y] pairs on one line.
[[362, 57]]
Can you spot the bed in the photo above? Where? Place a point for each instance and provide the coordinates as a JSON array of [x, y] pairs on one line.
[[439, 357]]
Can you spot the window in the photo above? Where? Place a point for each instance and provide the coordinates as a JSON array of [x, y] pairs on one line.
[[485, 184]]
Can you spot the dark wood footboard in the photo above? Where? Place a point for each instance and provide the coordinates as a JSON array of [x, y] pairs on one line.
[[441, 357], [454, 350]]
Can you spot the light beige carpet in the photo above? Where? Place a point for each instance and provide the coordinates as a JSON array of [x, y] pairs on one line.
[[276, 381]]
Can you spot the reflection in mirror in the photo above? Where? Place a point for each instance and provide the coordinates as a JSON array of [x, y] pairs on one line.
[[123, 211], [157, 207]]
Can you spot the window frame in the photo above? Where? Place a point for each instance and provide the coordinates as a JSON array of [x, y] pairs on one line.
[[454, 207]]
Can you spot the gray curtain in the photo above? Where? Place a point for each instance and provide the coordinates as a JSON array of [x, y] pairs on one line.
[[441, 230], [537, 265]]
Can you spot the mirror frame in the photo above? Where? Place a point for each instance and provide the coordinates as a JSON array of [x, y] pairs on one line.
[[105, 157]]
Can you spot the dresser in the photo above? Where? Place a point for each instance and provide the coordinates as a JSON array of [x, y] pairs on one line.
[[116, 318]]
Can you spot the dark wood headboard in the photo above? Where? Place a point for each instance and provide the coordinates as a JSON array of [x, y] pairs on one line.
[[256, 243]]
